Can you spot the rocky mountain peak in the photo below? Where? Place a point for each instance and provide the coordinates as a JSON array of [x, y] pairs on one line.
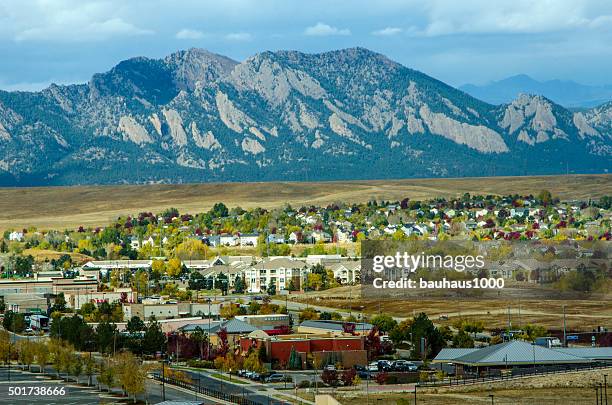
[[198, 116]]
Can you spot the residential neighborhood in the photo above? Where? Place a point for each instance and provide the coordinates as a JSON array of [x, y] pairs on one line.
[[241, 294]]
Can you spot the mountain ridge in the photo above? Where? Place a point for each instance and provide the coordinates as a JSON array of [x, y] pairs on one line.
[[568, 93], [196, 116]]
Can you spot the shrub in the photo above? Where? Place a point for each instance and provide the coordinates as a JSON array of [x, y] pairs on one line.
[[330, 377], [348, 376], [200, 364], [304, 384], [381, 378]]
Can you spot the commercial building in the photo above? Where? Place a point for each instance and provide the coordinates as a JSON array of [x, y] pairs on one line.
[[520, 354], [348, 350], [334, 328]]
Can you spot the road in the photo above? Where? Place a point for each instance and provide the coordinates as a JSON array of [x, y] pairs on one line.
[[255, 392]]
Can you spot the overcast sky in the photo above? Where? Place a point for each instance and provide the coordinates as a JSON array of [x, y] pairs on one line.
[[467, 41]]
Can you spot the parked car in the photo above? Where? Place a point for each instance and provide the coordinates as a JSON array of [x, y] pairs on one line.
[[385, 365], [272, 378], [373, 366], [404, 365], [330, 367]]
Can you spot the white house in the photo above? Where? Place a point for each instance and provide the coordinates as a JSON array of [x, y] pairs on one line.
[[228, 240], [276, 238], [16, 236], [248, 239]]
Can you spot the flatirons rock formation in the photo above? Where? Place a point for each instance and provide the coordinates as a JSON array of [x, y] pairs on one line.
[[195, 116]]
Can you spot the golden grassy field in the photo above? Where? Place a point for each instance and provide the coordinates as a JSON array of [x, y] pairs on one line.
[[61, 207], [580, 314], [568, 388]]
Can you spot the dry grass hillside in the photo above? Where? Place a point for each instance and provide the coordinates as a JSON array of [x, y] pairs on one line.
[[60, 207]]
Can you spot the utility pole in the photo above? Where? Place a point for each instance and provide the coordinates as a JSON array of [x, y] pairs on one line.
[[605, 376], [509, 323], [163, 382], [564, 329]]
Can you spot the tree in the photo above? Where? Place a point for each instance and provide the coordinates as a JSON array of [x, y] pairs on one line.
[[308, 314], [545, 197], [239, 285], [191, 249], [229, 311], [295, 362], [423, 328], [463, 340], [271, 290], [158, 268], [252, 363], [89, 365], [26, 350], [106, 336], [219, 210], [59, 304], [42, 355], [174, 267], [5, 345], [135, 324], [384, 322], [131, 374], [199, 337], [14, 321], [76, 367], [107, 375], [262, 354], [154, 338]]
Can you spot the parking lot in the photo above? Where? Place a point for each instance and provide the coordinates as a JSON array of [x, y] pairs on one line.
[[22, 381]]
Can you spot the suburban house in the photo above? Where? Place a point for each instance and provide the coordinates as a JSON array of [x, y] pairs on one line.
[[249, 239], [16, 236]]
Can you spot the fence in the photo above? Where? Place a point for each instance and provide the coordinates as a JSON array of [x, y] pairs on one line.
[[514, 373], [224, 396]]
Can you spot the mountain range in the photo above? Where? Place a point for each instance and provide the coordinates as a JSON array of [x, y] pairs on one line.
[[195, 116], [564, 92]]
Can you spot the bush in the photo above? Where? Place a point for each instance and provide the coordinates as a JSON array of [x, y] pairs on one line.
[[330, 377], [304, 384], [200, 364], [381, 378]]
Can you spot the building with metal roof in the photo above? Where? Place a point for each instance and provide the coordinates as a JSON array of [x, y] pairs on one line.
[[521, 353], [332, 327]]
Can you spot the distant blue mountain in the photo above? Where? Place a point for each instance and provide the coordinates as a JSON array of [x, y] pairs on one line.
[[566, 93]]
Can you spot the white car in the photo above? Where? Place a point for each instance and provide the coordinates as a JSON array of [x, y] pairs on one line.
[[373, 366]]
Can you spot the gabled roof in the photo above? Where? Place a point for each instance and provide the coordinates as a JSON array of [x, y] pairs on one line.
[[448, 354], [234, 326], [594, 353], [516, 352], [335, 325]]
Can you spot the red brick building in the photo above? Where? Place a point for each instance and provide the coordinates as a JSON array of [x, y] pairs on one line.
[[349, 350]]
